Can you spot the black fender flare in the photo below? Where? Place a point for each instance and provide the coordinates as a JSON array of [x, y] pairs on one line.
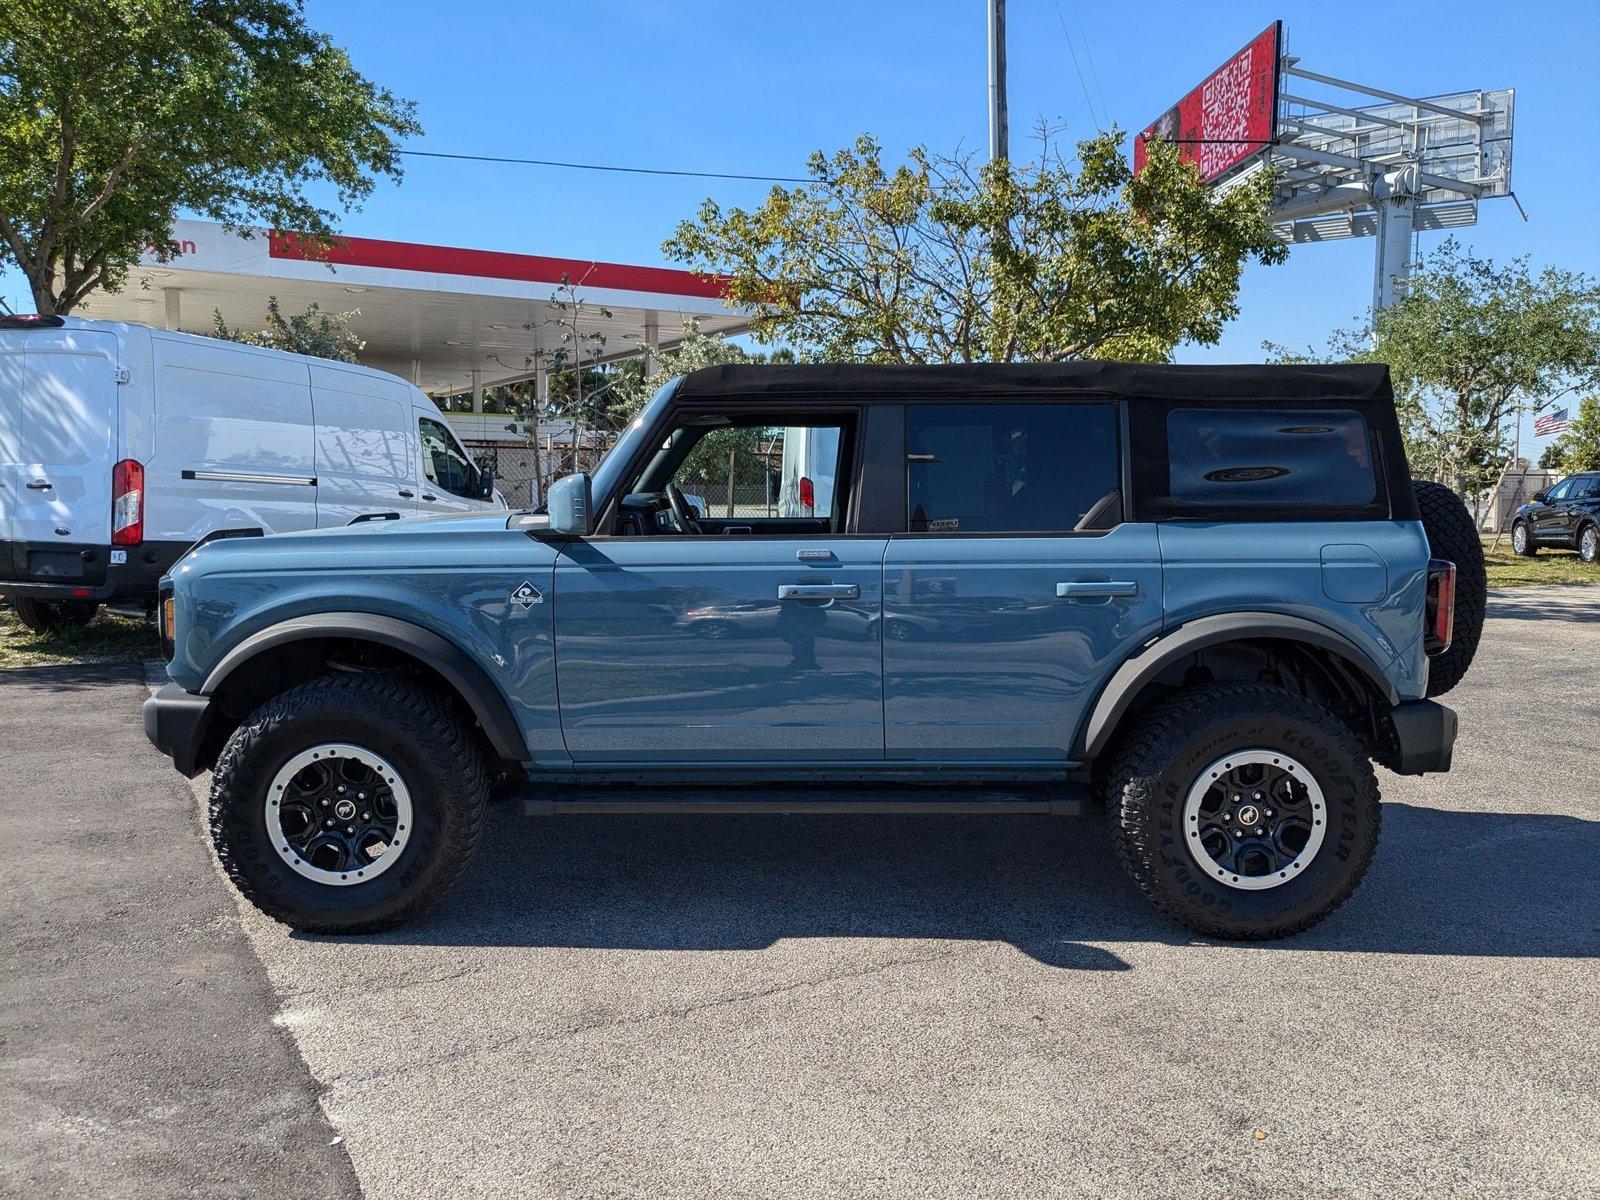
[[1138, 670], [471, 682]]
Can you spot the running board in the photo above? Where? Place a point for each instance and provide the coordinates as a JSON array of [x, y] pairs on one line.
[[1057, 800]]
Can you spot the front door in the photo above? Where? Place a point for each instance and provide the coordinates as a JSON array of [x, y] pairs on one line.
[[1016, 587], [748, 641]]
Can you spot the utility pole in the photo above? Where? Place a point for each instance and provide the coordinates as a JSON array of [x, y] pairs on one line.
[[999, 129]]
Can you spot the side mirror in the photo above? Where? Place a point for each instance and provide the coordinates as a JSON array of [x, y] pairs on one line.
[[1539, 497], [485, 483], [568, 503]]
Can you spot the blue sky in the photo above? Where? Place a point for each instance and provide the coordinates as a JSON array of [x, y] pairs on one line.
[[754, 87]]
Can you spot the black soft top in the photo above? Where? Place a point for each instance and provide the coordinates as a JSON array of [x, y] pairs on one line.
[[1348, 382]]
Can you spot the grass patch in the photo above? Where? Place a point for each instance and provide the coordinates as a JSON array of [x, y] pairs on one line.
[[107, 638], [1506, 570]]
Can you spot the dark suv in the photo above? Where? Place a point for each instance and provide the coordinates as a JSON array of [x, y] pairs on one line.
[[1567, 516]]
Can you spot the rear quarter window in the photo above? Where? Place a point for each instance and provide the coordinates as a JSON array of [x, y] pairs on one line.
[[1267, 460], [1232, 457]]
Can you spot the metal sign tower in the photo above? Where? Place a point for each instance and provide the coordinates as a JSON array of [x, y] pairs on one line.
[[1362, 162]]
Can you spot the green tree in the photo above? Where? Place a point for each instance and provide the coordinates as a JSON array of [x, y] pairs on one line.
[[937, 260], [326, 335], [1471, 345], [115, 115], [1578, 449]]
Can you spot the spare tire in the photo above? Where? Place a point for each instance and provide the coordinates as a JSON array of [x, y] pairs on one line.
[[1452, 535]]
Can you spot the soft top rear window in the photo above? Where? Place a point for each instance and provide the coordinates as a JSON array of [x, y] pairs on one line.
[[1259, 461], [1228, 457]]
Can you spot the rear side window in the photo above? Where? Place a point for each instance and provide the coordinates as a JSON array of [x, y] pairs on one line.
[[1011, 468], [1242, 461]]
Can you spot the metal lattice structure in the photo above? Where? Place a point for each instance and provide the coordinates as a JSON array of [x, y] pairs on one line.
[[1350, 167]]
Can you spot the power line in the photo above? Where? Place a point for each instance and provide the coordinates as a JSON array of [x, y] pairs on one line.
[[1088, 53], [579, 166], [1073, 50]]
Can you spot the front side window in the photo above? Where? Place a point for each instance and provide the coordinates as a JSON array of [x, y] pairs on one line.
[[1559, 492], [1011, 468], [762, 471], [443, 461], [1224, 458]]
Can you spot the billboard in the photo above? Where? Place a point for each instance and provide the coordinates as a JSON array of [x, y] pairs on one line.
[[1229, 117]]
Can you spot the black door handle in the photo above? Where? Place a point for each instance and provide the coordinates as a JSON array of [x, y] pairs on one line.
[[429, 496], [405, 494], [40, 485]]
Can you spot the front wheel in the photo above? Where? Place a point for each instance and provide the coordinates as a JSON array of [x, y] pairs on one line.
[[1244, 812], [349, 803]]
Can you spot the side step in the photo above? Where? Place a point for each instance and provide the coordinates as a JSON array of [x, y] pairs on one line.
[[1055, 800]]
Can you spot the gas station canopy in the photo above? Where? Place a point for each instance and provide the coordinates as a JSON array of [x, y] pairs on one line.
[[448, 320]]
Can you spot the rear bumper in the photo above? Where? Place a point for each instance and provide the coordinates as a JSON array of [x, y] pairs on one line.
[[175, 722], [1424, 737], [135, 579]]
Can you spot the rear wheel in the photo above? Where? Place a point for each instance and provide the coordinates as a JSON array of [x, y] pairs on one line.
[[1453, 535], [54, 616], [1589, 544], [1244, 812], [349, 803], [1522, 542]]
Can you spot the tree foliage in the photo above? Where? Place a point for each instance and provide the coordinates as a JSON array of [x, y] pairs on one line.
[[115, 115], [939, 260], [1471, 345], [326, 335], [1578, 449]]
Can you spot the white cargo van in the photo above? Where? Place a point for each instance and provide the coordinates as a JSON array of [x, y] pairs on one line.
[[121, 447]]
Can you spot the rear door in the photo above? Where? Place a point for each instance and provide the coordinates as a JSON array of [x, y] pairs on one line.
[[58, 440], [1016, 586], [366, 448], [234, 441]]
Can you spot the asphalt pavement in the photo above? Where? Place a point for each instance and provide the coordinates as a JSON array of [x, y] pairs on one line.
[[919, 1006]]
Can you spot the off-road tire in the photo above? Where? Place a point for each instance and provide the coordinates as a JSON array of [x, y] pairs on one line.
[[1452, 535], [53, 616], [419, 732], [1529, 546], [1165, 753], [1589, 543]]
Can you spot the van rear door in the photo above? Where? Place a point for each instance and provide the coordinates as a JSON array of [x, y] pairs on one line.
[[58, 441]]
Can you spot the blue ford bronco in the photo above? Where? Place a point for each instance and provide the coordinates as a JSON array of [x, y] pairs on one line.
[[1201, 599]]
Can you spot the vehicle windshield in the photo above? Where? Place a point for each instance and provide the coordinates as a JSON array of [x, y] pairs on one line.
[[605, 477]]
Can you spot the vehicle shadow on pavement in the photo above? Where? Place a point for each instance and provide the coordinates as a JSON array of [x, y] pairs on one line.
[[1542, 608], [1444, 882]]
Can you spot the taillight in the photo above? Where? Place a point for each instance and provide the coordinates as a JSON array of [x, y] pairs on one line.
[[808, 497], [1441, 614], [127, 503]]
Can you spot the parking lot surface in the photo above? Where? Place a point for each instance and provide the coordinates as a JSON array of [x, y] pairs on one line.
[[692, 1006]]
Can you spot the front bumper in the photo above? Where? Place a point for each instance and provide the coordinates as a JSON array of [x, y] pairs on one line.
[[1424, 737], [175, 721]]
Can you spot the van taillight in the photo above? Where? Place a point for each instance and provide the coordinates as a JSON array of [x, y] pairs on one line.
[[808, 497], [127, 503], [1441, 606]]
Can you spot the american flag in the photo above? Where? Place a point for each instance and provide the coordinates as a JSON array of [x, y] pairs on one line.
[[1557, 421]]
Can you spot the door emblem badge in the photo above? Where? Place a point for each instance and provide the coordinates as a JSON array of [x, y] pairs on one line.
[[526, 596]]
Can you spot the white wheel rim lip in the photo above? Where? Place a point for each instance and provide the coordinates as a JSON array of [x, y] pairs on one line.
[[1519, 536], [1197, 795], [323, 752]]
